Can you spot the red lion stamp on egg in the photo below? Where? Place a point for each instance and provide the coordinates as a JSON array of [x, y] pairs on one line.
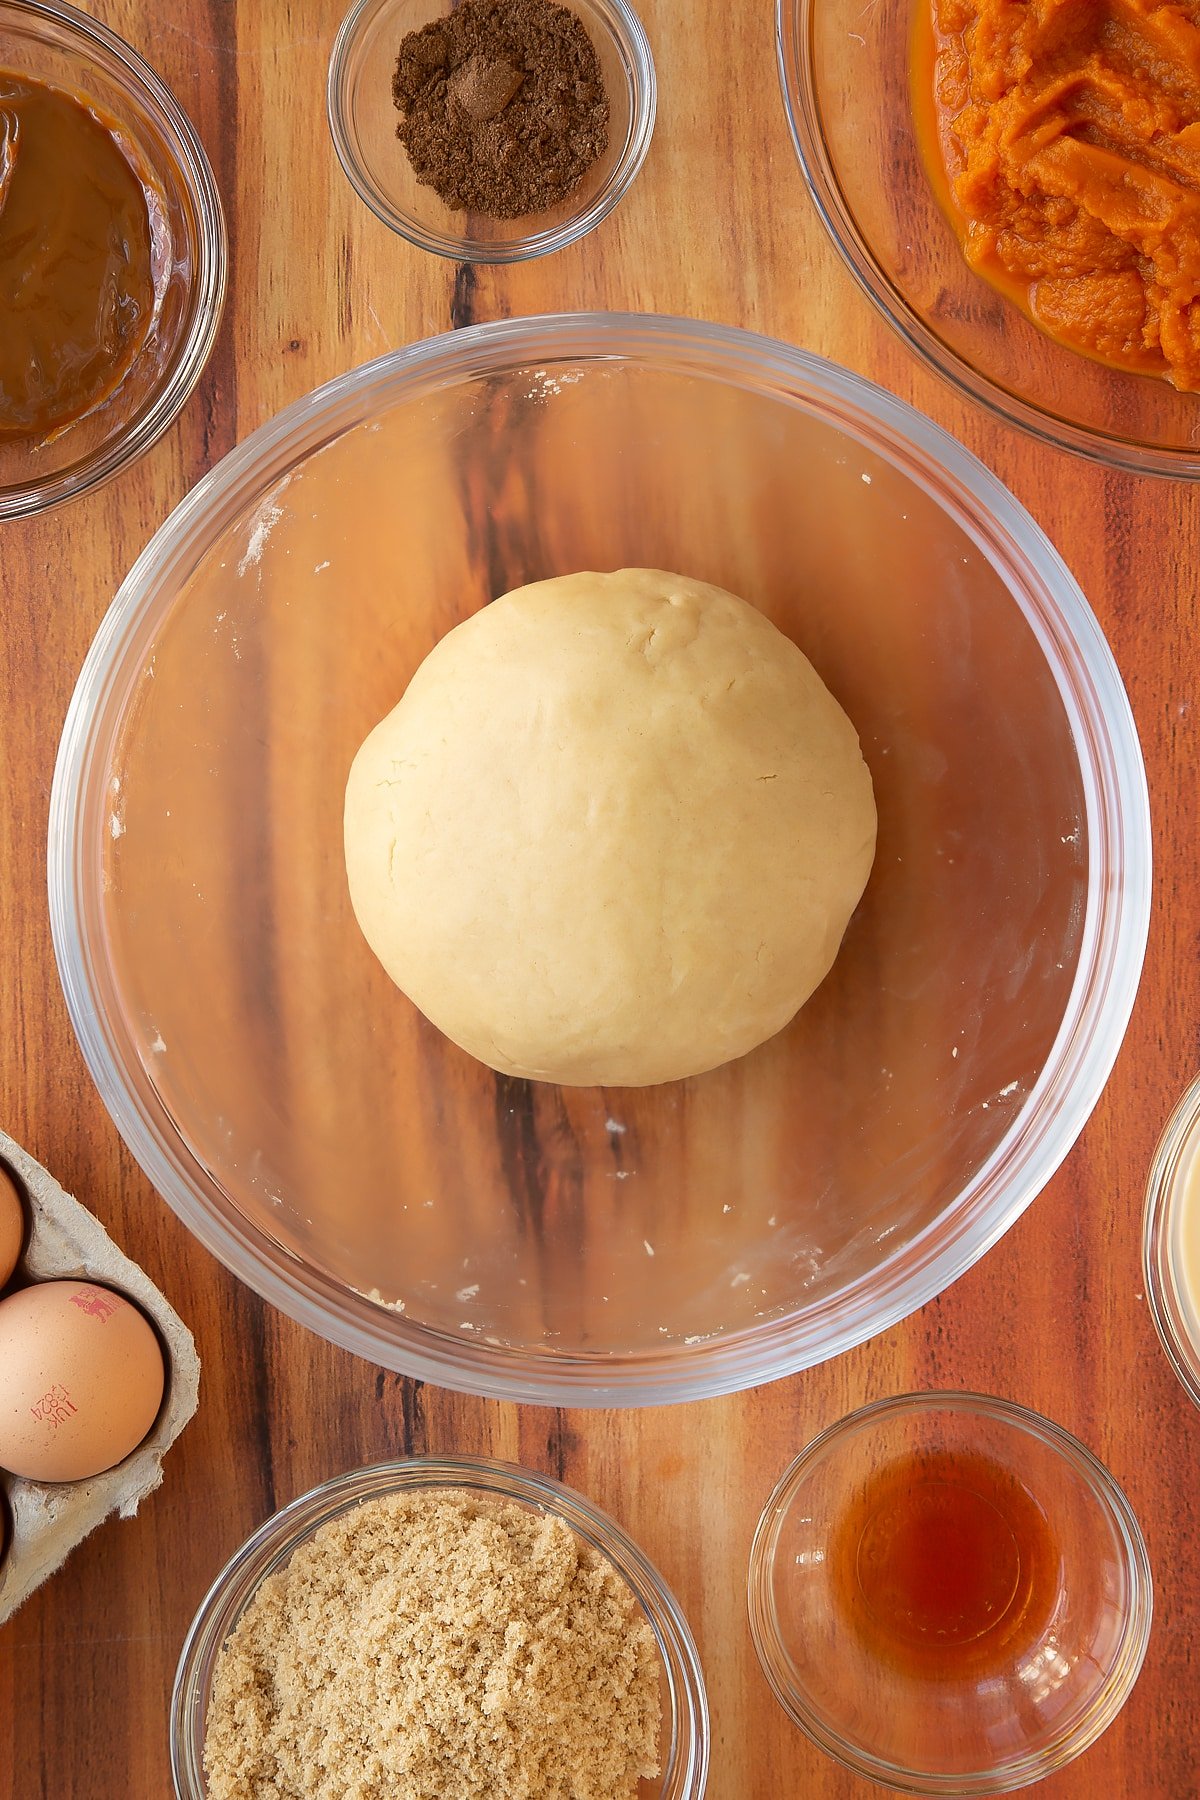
[[96, 1303]]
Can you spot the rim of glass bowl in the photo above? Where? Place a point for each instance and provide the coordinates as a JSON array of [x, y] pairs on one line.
[[686, 1772], [1176, 1149], [1135, 1636], [793, 33], [1115, 919], [123, 64], [638, 64]]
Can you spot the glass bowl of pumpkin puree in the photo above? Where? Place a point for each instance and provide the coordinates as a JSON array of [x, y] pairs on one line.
[[1018, 192], [112, 255]]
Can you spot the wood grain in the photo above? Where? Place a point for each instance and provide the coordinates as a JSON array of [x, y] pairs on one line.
[[717, 226]]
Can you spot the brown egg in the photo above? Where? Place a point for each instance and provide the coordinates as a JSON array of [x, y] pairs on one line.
[[12, 1224], [81, 1380]]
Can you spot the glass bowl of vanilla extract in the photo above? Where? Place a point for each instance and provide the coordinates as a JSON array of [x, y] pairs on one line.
[[950, 1594]]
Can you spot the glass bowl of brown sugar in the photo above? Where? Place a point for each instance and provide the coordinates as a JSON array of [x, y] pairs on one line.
[[949, 1594], [112, 256], [434, 1616], [495, 132]]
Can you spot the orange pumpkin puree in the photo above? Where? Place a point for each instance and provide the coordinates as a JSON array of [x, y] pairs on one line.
[[1068, 132]]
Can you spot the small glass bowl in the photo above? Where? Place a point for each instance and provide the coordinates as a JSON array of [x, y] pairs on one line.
[[363, 120], [51, 42], [685, 1732], [1174, 1303], [846, 69], [982, 1732]]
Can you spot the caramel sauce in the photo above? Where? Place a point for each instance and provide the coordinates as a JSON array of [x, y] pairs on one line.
[[945, 1566], [77, 257]]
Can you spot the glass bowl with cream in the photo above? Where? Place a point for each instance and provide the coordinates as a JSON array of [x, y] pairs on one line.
[[858, 88], [490, 1607], [101, 347], [1171, 1239]]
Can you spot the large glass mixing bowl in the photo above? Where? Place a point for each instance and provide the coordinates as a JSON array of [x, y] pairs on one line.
[[575, 1245]]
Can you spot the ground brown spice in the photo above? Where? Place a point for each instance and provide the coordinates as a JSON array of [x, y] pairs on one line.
[[437, 1646], [504, 105]]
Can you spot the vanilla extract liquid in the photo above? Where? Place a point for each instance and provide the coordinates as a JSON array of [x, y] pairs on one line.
[[945, 1565]]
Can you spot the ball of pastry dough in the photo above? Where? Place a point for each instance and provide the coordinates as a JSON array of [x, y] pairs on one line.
[[613, 832]]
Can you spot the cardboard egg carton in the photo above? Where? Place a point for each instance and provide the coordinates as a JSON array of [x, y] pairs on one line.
[[49, 1519]]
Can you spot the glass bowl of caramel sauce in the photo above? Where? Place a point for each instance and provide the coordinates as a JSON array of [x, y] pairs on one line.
[[950, 1594], [112, 255]]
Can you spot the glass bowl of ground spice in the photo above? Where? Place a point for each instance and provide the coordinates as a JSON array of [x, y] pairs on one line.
[[112, 255], [497, 131], [1012, 187], [440, 1629]]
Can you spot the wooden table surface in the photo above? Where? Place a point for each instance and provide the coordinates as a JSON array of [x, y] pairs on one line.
[[717, 226]]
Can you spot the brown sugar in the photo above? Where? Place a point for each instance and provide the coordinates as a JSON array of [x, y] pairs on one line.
[[504, 106], [437, 1646]]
